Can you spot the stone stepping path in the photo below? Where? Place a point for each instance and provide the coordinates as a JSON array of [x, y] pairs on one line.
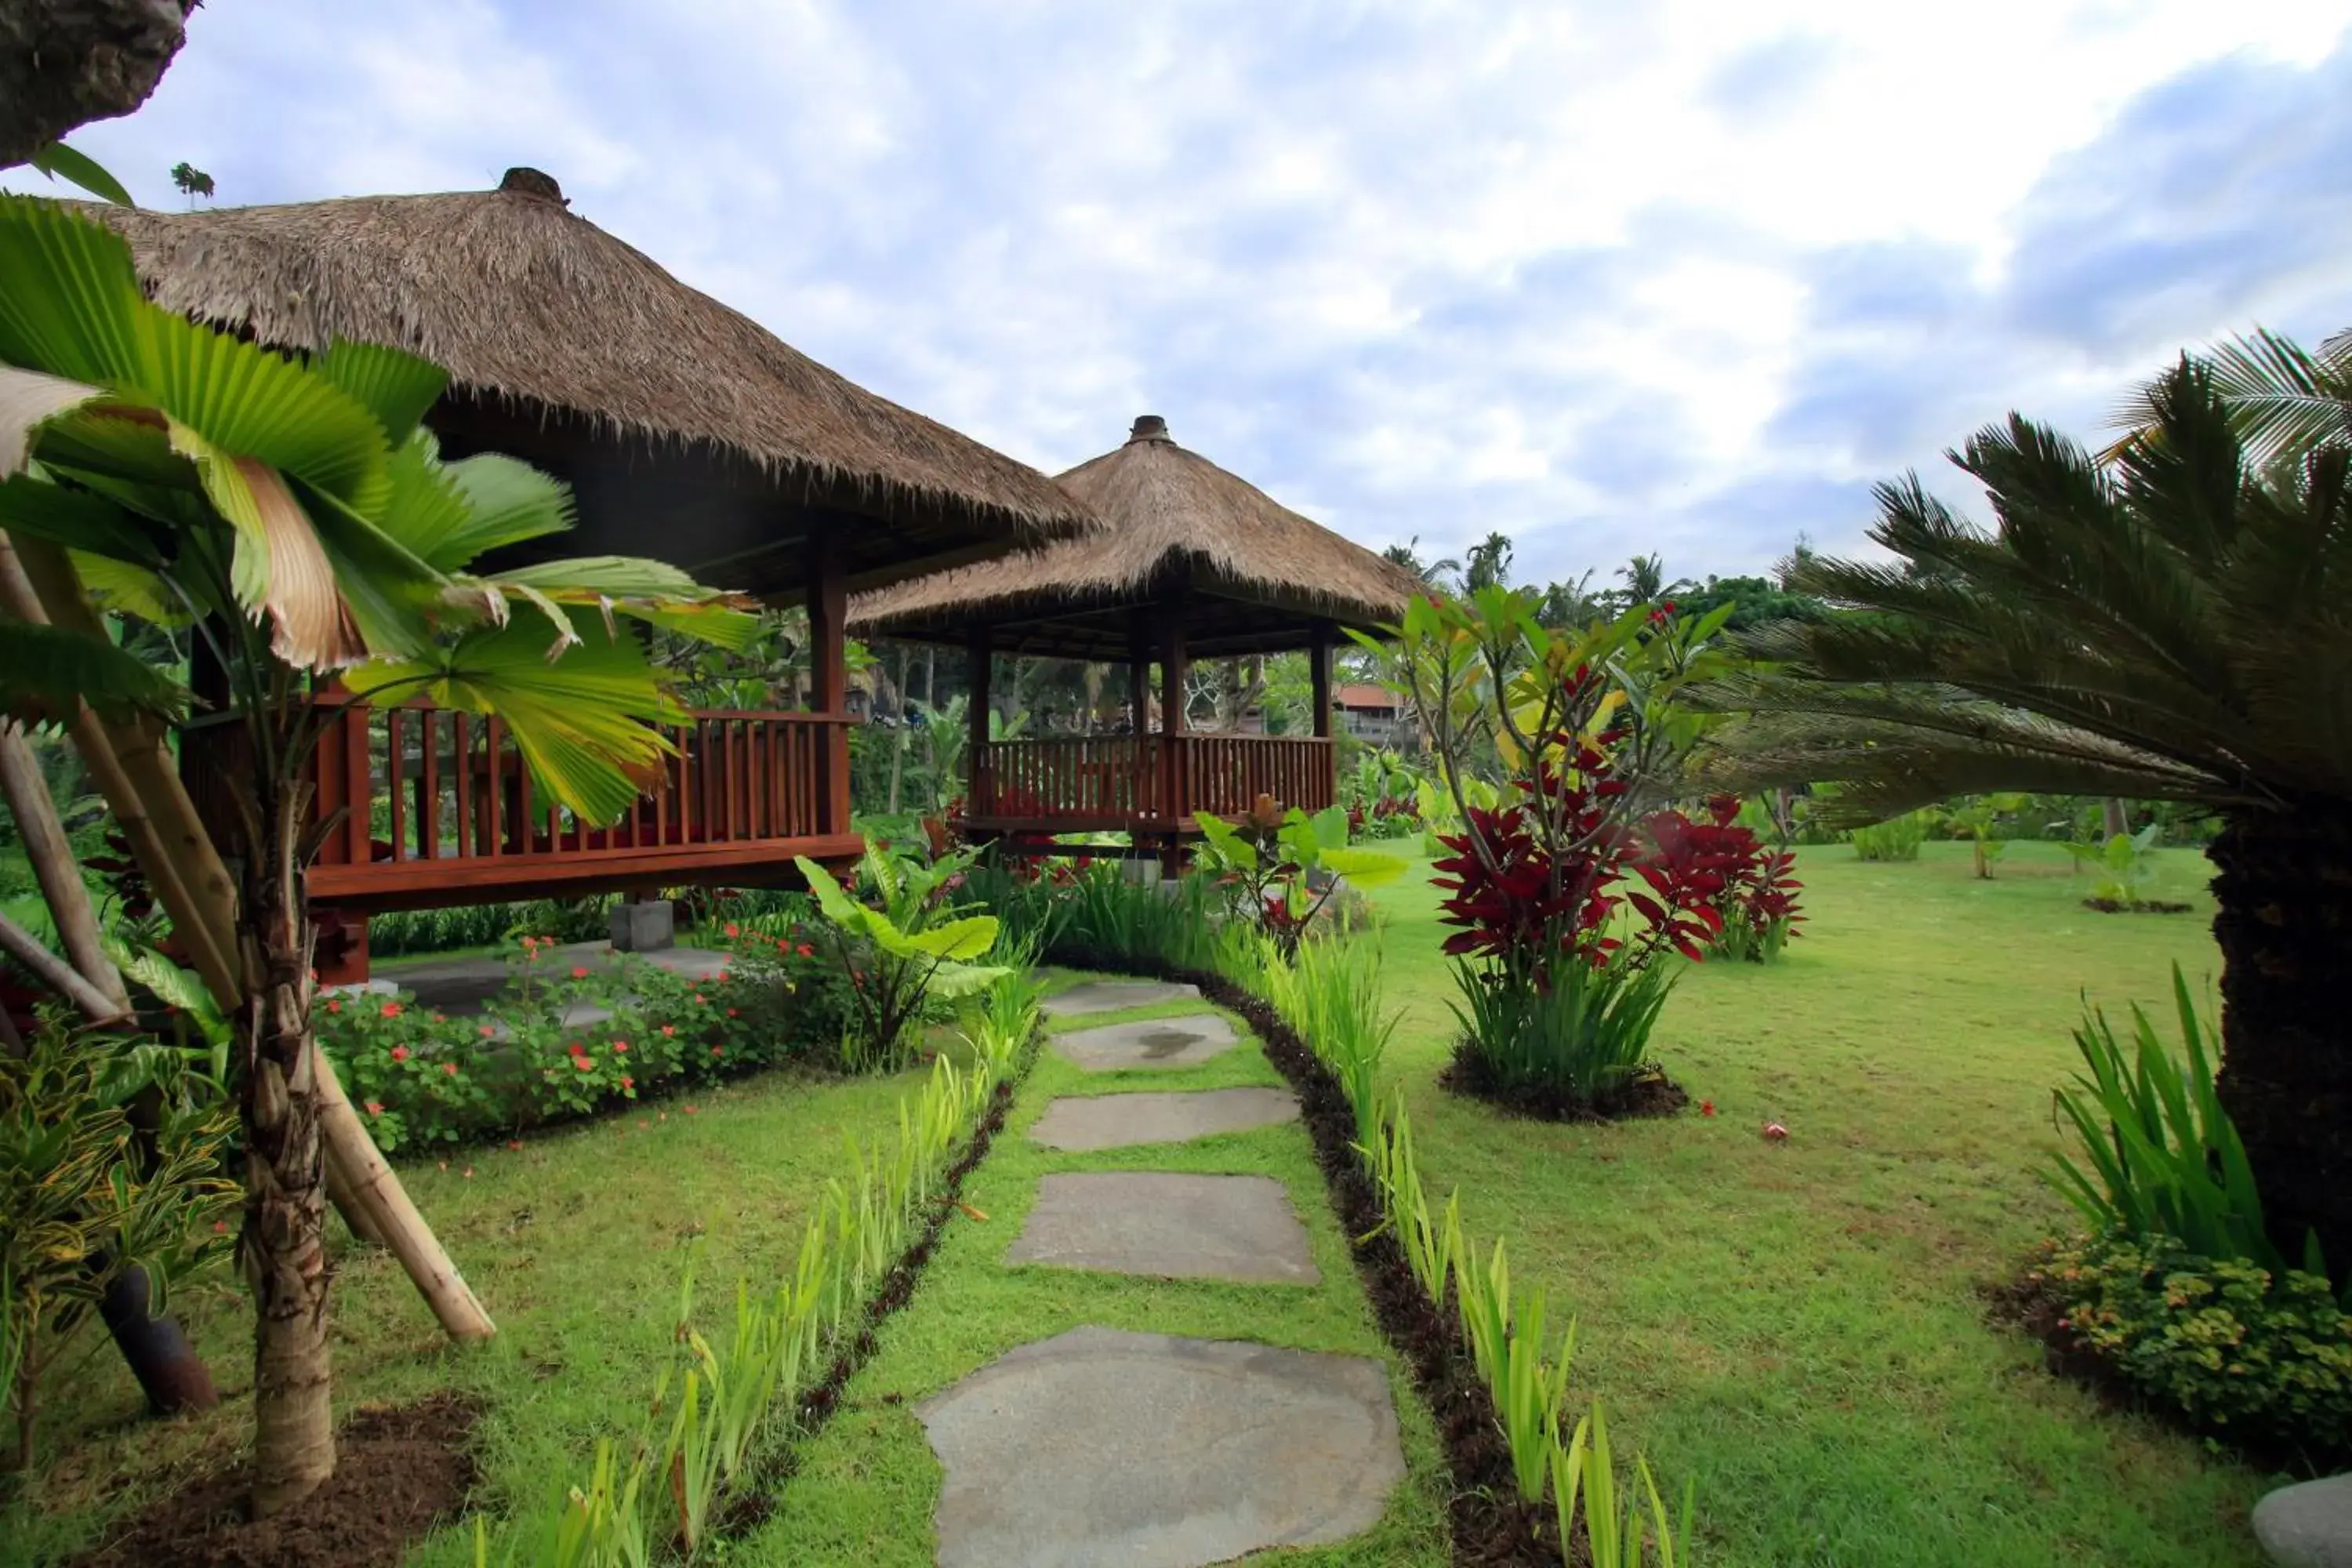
[[1116, 995], [1153, 1043], [1102, 1446], [1169, 1225], [1122, 1121]]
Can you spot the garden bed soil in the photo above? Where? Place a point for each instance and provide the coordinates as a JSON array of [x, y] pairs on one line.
[[400, 1471], [1490, 1527], [1649, 1093], [2144, 907]]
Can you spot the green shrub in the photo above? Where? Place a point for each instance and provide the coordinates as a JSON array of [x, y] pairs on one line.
[[906, 947], [1897, 838], [2226, 1341], [81, 1199], [1581, 1036]]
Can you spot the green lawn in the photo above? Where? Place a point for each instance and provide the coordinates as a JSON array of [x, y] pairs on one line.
[[870, 1483], [575, 1243], [1797, 1326]]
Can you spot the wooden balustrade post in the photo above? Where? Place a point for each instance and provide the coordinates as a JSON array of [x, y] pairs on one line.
[[828, 609]]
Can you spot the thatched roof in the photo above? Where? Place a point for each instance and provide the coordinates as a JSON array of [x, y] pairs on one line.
[[549, 321], [1250, 575]]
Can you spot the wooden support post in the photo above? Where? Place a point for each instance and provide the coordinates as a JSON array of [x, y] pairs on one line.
[[979, 778], [1138, 688], [1173, 805], [1319, 668], [828, 609]]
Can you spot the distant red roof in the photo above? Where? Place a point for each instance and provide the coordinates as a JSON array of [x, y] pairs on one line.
[[1376, 699]]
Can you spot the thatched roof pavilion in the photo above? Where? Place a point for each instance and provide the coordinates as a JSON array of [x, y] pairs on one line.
[[1250, 575], [1191, 562], [689, 430]]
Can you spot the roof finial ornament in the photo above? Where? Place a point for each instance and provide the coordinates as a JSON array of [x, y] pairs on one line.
[[1148, 427], [531, 183]]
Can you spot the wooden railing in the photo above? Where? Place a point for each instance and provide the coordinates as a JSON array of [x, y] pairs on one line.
[[440, 803], [1116, 780]]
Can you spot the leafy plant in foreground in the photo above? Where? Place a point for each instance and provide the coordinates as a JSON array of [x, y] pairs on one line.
[[1281, 867], [908, 946]]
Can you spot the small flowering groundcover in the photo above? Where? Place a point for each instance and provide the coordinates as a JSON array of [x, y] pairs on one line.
[[421, 1077]]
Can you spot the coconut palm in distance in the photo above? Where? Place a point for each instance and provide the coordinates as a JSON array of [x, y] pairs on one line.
[[2170, 625], [298, 515]]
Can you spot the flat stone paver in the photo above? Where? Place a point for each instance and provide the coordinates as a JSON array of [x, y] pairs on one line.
[[1149, 1451], [1154, 1043], [1169, 1225], [1118, 1120], [1111, 996]]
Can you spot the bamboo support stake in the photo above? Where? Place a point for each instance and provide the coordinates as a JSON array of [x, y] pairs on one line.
[[374, 1196], [56, 973], [54, 866], [38, 582]]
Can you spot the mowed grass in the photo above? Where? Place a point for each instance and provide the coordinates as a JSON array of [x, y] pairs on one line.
[[576, 1243], [1797, 1326], [869, 1484]]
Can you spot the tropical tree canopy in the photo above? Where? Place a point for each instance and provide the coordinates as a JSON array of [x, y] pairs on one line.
[[2171, 626]]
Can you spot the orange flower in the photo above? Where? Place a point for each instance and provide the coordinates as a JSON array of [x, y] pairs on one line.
[[392, 1009], [450, 1069], [734, 929], [375, 1108], [400, 1053], [579, 972]]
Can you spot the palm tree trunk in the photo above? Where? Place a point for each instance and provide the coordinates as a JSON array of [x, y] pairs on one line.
[[284, 1243], [2285, 932]]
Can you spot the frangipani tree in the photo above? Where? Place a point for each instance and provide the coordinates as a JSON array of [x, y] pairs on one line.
[[297, 515], [2170, 623]]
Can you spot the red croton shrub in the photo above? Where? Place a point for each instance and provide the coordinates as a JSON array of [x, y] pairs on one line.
[[1755, 906]]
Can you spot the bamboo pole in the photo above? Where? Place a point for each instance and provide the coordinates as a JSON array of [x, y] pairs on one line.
[[54, 866], [38, 582], [57, 974]]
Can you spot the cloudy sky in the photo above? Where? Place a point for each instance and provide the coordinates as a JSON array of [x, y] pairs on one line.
[[1606, 278]]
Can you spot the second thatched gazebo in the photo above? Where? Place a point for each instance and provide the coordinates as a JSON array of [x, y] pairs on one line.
[[1192, 562]]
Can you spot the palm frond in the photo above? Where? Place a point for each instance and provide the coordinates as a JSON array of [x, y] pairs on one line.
[[46, 671]]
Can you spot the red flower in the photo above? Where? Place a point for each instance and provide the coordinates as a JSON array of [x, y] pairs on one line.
[[698, 996], [620, 1048], [486, 1031], [449, 1068], [333, 1007], [375, 1108], [806, 951], [515, 1143], [717, 1050], [689, 1111], [731, 1012], [392, 1009], [628, 1082], [583, 1064], [734, 930], [400, 1053], [1668, 606], [669, 1033], [579, 972], [1707, 1108], [440, 1017], [220, 1227]]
